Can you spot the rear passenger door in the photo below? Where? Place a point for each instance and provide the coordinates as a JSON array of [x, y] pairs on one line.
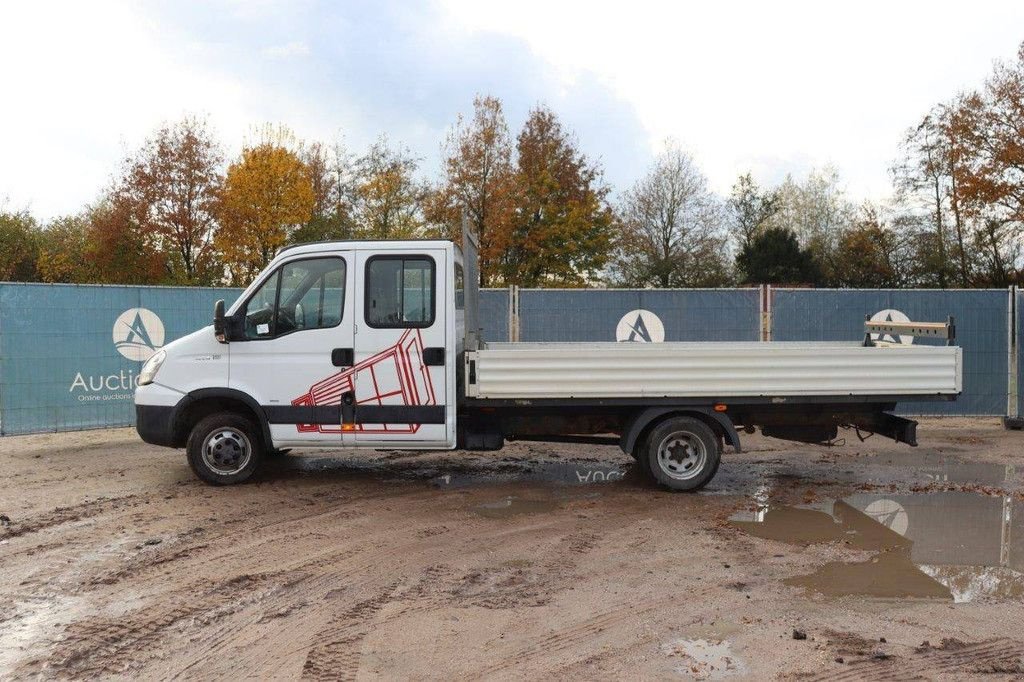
[[401, 364]]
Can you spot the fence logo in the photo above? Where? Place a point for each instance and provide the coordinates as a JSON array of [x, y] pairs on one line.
[[138, 333], [890, 514], [892, 315], [641, 326]]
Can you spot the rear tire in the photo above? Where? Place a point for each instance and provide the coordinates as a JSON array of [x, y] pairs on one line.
[[225, 448], [681, 453]]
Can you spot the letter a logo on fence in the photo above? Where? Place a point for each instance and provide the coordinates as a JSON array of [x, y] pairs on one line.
[[138, 333], [641, 326]]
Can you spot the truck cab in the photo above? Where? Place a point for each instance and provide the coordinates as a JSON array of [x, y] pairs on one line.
[[334, 344]]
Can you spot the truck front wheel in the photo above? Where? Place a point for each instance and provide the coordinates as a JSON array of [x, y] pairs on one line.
[[682, 453], [224, 448]]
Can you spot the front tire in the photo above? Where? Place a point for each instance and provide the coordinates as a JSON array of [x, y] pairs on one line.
[[224, 448], [682, 453]]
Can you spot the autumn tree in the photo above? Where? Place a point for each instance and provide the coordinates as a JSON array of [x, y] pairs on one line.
[[751, 208], [19, 247], [562, 224], [118, 251], [672, 228], [926, 181], [817, 211], [774, 256], [990, 125], [64, 245], [267, 195], [333, 179], [389, 197], [173, 183], [479, 177], [874, 253]]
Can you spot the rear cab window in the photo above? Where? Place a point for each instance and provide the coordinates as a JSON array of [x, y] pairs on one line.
[[400, 291]]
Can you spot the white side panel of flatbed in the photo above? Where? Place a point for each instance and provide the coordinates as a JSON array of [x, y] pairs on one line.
[[713, 370]]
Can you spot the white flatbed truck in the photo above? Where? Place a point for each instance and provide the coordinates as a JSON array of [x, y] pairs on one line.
[[375, 344]]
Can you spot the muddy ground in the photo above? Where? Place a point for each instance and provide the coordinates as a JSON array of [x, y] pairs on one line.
[[864, 560]]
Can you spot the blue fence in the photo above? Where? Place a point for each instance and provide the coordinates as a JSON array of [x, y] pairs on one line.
[[494, 314], [69, 355], [644, 314], [981, 330]]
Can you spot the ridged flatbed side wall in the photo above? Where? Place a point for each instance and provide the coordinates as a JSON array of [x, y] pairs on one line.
[[714, 370]]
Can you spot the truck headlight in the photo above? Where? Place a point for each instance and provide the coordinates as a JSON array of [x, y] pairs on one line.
[[151, 367]]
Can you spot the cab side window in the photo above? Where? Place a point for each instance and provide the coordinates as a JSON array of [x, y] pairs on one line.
[[400, 292], [303, 294]]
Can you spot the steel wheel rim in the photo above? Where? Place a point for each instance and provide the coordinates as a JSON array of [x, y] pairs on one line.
[[682, 456], [227, 451]]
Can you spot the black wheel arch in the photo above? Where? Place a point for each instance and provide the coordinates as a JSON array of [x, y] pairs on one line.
[[205, 401], [642, 421]]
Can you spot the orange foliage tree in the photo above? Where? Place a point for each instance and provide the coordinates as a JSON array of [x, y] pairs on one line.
[[562, 224], [479, 177], [267, 195]]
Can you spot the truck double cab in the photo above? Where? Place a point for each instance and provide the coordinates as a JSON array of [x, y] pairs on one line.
[[376, 344]]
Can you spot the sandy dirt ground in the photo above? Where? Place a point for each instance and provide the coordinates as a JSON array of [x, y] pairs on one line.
[[863, 560]]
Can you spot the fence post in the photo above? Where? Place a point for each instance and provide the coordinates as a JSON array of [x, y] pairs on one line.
[[1012, 420], [513, 313], [766, 312]]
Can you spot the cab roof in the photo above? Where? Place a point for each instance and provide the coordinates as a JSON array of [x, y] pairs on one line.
[[367, 245]]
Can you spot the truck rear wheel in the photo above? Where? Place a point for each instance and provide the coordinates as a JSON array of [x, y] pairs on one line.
[[224, 448], [682, 453]]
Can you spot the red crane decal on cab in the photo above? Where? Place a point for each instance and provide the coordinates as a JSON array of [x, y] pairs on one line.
[[396, 375]]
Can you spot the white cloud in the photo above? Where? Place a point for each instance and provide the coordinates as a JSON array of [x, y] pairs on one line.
[[757, 85], [82, 84], [296, 48]]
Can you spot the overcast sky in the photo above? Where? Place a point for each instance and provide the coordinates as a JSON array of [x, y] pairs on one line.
[[768, 87]]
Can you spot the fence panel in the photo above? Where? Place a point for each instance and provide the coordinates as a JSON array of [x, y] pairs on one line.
[[494, 314], [639, 314], [70, 354], [981, 319]]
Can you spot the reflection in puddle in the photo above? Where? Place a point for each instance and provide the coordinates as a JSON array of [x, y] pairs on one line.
[[566, 473], [704, 659], [514, 506], [953, 545]]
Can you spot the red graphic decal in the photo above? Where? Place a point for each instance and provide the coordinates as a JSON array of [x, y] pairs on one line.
[[396, 375]]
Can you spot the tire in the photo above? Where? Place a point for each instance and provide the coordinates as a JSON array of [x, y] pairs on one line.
[[682, 453], [225, 448]]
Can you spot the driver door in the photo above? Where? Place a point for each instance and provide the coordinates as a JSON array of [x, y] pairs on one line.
[[297, 318]]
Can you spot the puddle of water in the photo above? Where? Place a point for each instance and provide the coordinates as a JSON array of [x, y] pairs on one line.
[[704, 659], [950, 545], [887, 575], [565, 473], [514, 506], [941, 469]]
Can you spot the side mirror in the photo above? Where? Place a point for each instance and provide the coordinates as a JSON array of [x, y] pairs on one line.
[[219, 322]]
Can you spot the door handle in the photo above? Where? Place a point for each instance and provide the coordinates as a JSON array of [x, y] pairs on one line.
[[343, 357], [433, 357]]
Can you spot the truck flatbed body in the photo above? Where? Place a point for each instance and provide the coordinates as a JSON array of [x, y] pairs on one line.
[[719, 370]]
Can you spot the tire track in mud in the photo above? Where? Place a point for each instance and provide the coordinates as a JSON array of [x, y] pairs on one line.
[[575, 636], [106, 645], [994, 655], [335, 654], [62, 515]]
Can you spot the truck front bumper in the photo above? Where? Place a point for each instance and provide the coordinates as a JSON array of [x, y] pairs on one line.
[[155, 424]]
